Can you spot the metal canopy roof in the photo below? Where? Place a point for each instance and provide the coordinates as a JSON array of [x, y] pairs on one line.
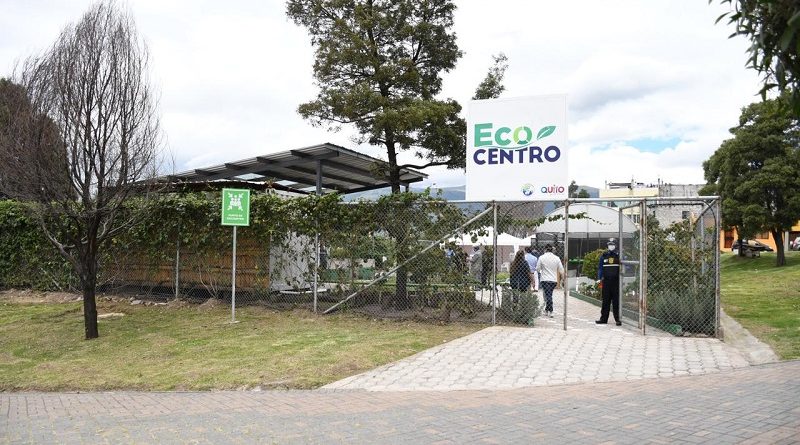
[[324, 166]]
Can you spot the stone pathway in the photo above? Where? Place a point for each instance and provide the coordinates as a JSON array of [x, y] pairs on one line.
[[502, 357], [753, 405]]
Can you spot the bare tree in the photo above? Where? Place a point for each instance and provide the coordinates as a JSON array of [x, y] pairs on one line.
[[88, 141]]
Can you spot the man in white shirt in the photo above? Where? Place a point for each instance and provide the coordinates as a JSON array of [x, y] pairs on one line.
[[551, 270]]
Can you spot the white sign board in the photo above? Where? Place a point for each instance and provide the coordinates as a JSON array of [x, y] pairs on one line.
[[517, 149]]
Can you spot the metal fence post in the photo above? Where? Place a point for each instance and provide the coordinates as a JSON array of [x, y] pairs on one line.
[[643, 268], [565, 284], [620, 287], [316, 268], [494, 264], [717, 302], [178, 267]]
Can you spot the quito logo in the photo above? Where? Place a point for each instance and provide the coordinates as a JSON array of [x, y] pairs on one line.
[[505, 145], [550, 189]]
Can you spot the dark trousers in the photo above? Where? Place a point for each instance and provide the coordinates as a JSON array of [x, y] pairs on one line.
[[610, 298], [547, 287]]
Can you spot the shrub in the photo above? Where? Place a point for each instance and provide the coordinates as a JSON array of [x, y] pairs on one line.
[[590, 262]]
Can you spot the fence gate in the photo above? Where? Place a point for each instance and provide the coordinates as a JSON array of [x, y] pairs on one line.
[[455, 261]]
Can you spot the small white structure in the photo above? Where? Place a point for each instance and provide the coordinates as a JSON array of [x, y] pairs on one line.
[[590, 232], [507, 245], [600, 222]]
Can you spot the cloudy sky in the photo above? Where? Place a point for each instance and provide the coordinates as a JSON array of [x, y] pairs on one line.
[[652, 86]]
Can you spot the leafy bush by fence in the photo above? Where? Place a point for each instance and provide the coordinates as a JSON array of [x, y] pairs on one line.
[[681, 276], [590, 263], [27, 260]]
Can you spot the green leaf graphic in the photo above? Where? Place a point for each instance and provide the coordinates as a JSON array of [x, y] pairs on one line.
[[545, 131]]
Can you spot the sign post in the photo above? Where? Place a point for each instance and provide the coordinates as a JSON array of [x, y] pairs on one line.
[[235, 212], [517, 151]]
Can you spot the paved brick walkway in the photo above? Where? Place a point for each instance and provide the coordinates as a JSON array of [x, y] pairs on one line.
[[504, 357], [757, 404]]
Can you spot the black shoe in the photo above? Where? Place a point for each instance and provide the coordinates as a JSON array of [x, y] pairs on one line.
[[601, 322], [619, 323]]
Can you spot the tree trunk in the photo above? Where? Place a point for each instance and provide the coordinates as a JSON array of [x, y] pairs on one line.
[[740, 242], [89, 282], [777, 235], [394, 172], [89, 307], [401, 300]]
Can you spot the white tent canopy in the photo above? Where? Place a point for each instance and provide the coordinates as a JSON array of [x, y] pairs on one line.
[[600, 222], [503, 239]]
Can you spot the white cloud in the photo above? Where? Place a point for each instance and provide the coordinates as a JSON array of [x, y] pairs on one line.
[[231, 75]]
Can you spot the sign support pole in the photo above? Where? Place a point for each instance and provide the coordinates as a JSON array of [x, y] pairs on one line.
[[494, 264], [233, 280], [565, 282]]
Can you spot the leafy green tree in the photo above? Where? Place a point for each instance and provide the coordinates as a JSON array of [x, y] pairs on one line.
[[492, 85], [757, 172], [378, 65], [773, 27], [575, 193], [572, 190]]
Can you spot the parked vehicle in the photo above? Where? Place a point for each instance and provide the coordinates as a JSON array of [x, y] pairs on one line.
[[795, 245], [751, 247]]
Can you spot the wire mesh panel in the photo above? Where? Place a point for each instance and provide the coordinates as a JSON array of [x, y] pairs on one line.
[[682, 243], [408, 257], [522, 296], [630, 292], [417, 256]]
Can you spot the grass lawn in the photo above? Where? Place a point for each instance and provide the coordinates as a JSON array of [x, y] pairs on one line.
[[196, 348], [765, 299]]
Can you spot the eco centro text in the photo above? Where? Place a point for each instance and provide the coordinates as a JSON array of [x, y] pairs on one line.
[[511, 147]]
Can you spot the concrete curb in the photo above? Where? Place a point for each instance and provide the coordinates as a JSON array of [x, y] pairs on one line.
[[755, 351]]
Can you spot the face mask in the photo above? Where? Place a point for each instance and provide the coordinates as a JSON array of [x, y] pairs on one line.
[[612, 247]]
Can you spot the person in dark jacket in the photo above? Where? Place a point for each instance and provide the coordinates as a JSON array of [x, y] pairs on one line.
[[520, 272], [523, 303], [608, 273]]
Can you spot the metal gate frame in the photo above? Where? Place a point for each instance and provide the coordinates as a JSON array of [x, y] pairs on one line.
[[712, 204]]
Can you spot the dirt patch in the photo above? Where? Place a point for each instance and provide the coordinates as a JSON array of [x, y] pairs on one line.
[[27, 296], [211, 303], [178, 303]]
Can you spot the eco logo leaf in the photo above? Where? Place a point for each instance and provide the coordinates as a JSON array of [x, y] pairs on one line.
[[545, 131]]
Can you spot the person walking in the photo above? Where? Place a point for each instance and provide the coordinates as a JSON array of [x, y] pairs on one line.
[[532, 260], [551, 271], [521, 304], [608, 274], [520, 273], [476, 265]]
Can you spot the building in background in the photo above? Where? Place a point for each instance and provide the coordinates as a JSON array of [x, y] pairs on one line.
[[620, 194]]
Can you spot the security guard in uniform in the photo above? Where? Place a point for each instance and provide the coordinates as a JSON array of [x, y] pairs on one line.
[[608, 274]]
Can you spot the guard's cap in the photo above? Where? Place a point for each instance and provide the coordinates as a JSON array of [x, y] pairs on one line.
[[611, 241]]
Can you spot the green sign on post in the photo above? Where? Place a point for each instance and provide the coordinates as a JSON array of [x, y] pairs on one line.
[[235, 212], [235, 207]]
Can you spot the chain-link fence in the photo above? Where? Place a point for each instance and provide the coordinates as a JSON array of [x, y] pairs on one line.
[[414, 257], [683, 265]]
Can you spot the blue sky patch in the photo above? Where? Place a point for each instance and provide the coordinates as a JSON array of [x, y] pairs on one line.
[[653, 145]]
